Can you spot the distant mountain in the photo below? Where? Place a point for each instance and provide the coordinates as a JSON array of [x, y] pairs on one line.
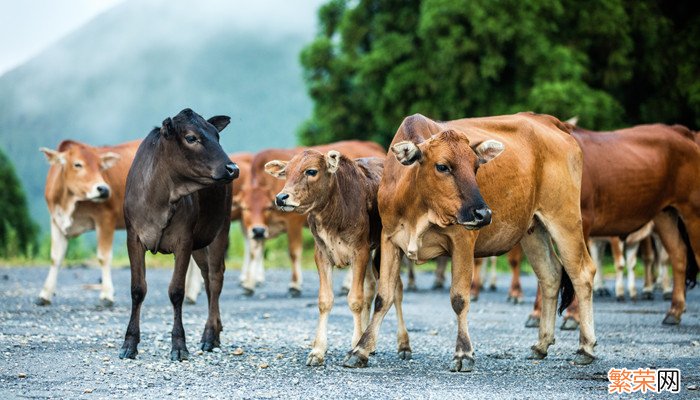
[[126, 70]]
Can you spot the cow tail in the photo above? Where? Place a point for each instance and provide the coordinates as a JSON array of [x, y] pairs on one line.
[[691, 269], [376, 261], [566, 288]]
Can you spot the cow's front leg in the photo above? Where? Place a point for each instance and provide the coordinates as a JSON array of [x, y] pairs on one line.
[[105, 236], [325, 303], [59, 245], [139, 288], [388, 279], [176, 292], [463, 267]]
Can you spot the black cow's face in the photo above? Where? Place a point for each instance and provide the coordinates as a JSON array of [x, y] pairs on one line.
[[193, 148]]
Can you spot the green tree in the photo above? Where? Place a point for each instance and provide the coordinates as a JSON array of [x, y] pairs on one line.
[[18, 233], [611, 62]]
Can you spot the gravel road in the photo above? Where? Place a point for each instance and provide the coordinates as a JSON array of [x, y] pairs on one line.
[[69, 349]]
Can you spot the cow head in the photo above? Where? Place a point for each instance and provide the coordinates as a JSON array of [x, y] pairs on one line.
[[193, 151], [256, 205], [81, 169], [309, 176], [446, 165]]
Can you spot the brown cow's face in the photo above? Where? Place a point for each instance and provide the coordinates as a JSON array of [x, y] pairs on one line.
[[308, 176], [81, 171], [446, 178], [193, 150], [256, 207]]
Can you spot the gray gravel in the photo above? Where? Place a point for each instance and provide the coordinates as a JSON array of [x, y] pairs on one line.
[[69, 349]]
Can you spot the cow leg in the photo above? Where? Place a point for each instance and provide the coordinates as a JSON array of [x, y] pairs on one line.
[[568, 236], [388, 280], [59, 245], [649, 266], [325, 303], [666, 224], [176, 293], [463, 267], [370, 291], [515, 293], [662, 261], [137, 260], [533, 320], [347, 284], [295, 247], [476, 283], [441, 266], [216, 268], [404, 347], [356, 296], [595, 248], [631, 262], [617, 249], [411, 287], [257, 257], [493, 276], [193, 282], [547, 268], [105, 237]]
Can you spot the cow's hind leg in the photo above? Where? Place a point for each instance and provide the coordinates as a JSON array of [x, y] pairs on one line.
[[137, 254], [295, 247], [176, 292], [325, 303], [105, 236], [441, 266], [515, 259], [59, 245], [630, 263], [666, 224]]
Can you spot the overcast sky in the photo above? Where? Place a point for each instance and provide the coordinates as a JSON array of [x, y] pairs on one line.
[[29, 26]]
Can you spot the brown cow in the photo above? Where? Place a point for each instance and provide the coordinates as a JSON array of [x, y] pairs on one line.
[[430, 202], [262, 220], [645, 173], [340, 197], [178, 201], [85, 191]]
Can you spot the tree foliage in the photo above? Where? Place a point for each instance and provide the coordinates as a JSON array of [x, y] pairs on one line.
[[610, 62], [18, 233]]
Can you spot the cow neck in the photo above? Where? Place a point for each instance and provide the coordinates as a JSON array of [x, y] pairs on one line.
[[341, 209]]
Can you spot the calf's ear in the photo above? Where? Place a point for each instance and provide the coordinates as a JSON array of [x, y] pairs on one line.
[[220, 122], [167, 129], [276, 168], [488, 150], [407, 152], [107, 160], [53, 156], [332, 161]]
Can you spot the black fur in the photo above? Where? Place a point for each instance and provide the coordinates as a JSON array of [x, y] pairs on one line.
[[691, 269], [566, 290]]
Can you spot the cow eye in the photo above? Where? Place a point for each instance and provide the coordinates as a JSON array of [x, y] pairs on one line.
[[311, 172], [191, 138], [442, 168], [78, 165]]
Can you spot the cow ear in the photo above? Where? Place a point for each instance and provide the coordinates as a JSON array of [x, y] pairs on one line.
[[407, 152], [333, 161], [488, 150], [167, 130], [107, 160], [220, 122], [53, 156], [276, 168]]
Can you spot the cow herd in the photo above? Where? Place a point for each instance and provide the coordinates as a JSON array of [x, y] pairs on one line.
[[463, 190]]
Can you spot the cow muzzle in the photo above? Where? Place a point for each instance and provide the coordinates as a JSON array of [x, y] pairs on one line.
[[99, 192], [283, 202], [475, 218], [258, 232]]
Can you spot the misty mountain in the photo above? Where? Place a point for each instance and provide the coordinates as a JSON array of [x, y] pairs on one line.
[[122, 73]]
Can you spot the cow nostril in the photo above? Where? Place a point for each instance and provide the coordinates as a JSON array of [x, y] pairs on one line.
[[281, 198], [482, 214], [103, 191], [232, 169], [258, 232]]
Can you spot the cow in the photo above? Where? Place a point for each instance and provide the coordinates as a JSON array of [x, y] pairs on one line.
[[659, 166], [178, 201], [339, 195], [193, 283], [263, 221], [85, 191], [475, 188]]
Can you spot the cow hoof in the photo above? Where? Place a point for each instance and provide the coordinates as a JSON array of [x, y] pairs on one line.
[[536, 354], [569, 324], [343, 291], [355, 360], [190, 301], [668, 296], [648, 296], [405, 354], [106, 303], [634, 297], [532, 322], [474, 298], [42, 302], [462, 364], [411, 287], [294, 292], [314, 360], [620, 299], [179, 355], [128, 352], [492, 287], [248, 292], [209, 346], [583, 358], [671, 320], [438, 285], [518, 300]]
